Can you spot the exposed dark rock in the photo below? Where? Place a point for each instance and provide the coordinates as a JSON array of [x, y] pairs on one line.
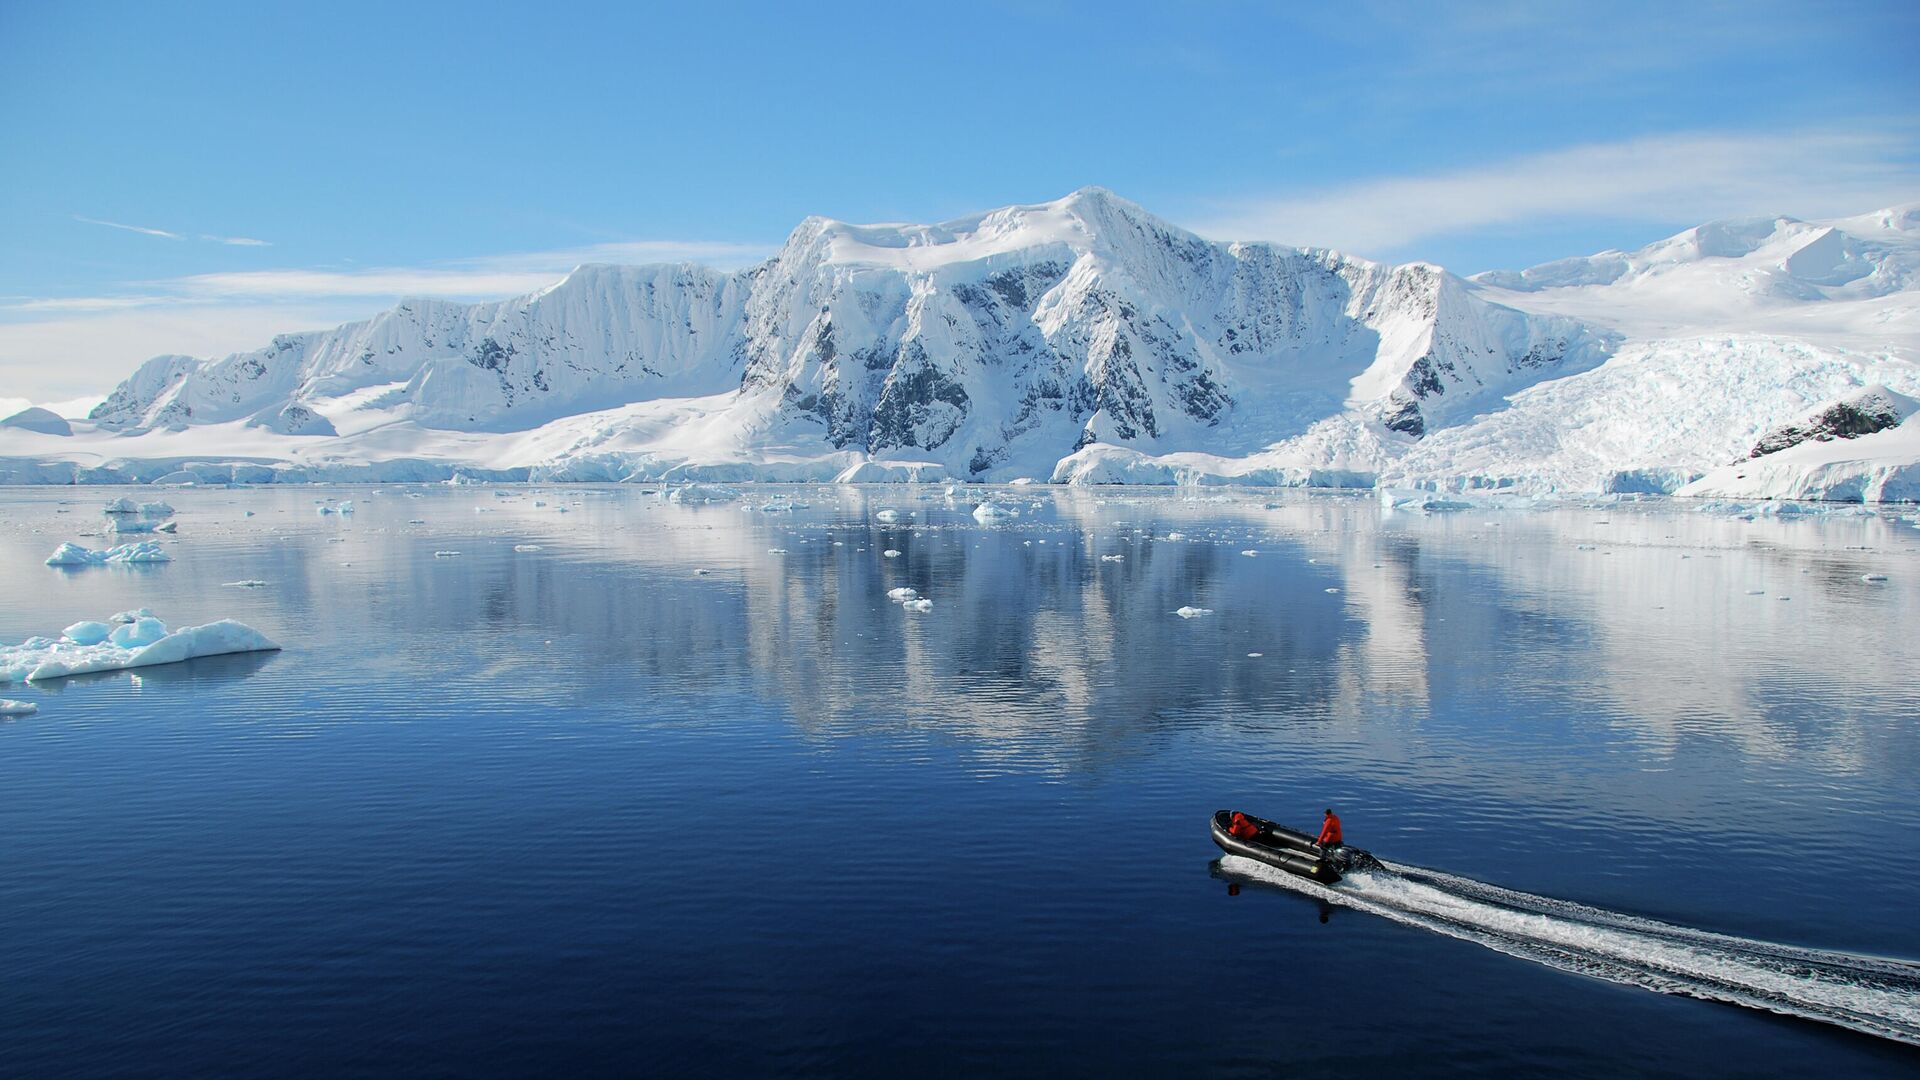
[[1850, 418]]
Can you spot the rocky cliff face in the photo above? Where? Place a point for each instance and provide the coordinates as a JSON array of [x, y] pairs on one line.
[[1025, 333]]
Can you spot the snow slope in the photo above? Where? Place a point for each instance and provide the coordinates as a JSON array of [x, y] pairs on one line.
[[1081, 340]]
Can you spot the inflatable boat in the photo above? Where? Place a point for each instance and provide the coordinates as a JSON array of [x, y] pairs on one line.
[[1290, 850]]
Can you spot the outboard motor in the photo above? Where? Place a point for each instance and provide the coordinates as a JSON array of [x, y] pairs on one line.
[[1348, 859]]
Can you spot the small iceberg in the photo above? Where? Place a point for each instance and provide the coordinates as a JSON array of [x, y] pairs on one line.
[[137, 639], [890, 553], [1192, 612], [987, 511], [887, 515], [250, 583], [72, 554], [10, 707], [918, 605], [700, 494], [902, 595]]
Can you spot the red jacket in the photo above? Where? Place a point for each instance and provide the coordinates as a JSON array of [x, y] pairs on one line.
[[1330, 832], [1241, 827]]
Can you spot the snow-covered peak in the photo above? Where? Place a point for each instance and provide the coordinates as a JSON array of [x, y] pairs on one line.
[[1883, 246], [1088, 219], [1850, 282]]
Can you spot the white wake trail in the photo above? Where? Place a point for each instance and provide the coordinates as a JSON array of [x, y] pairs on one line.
[[1867, 994]]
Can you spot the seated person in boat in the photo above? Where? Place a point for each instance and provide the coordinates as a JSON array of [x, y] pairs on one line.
[[1330, 830]]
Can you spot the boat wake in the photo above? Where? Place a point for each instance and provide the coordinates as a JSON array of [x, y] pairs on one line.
[[1864, 993]]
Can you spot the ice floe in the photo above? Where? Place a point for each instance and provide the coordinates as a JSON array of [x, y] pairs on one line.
[[1192, 612], [10, 707], [922, 604], [72, 554], [700, 494], [987, 511], [137, 639], [902, 595]]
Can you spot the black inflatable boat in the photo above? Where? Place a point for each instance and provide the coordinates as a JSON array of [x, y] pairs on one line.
[[1290, 850]]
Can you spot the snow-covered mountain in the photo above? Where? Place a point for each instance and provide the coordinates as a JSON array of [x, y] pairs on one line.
[[1081, 340]]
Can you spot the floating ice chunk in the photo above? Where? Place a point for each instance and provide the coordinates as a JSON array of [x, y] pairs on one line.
[[1192, 612], [526, 547], [250, 583], [131, 616], [71, 554], [887, 515], [1398, 499], [1873, 577], [1331, 590], [445, 554], [10, 707], [124, 524], [776, 551], [701, 571], [918, 605], [140, 643], [1176, 536], [538, 503], [87, 633], [122, 505], [698, 494], [1255, 655], [167, 527], [902, 595], [890, 553], [1021, 481], [987, 511], [1113, 558], [249, 513]]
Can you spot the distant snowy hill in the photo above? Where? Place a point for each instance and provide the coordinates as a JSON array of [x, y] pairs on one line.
[[1081, 340]]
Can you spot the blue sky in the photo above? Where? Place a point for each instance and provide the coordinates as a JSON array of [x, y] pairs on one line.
[[195, 177]]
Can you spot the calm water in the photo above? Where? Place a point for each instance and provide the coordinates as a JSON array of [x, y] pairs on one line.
[[583, 808]]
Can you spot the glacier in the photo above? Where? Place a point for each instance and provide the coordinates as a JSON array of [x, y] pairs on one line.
[[1082, 341]]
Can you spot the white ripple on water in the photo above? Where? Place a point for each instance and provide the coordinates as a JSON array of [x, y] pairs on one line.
[[1867, 994]]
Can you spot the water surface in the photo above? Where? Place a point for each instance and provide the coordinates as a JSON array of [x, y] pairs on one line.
[[637, 786]]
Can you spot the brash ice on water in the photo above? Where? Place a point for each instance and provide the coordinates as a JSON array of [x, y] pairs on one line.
[[1874, 995]]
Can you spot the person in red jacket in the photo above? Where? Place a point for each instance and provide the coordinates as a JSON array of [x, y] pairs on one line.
[[1241, 827], [1330, 830]]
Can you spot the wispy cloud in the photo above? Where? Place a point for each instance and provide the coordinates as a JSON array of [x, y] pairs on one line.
[[230, 241], [1668, 178], [58, 347], [489, 276], [142, 229]]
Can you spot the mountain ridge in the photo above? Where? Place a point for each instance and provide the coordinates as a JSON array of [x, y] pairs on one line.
[[1080, 339]]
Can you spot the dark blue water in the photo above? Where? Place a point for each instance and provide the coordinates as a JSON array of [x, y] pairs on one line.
[[583, 809]]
